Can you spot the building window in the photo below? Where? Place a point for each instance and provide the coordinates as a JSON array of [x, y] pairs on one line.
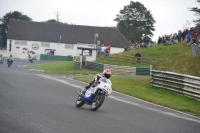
[[69, 46], [23, 43], [45, 44], [91, 45]]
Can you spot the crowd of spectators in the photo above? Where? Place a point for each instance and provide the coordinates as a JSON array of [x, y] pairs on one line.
[[189, 36], [103, 50]]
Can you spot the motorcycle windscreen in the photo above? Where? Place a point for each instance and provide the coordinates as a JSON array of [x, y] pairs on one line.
[[88, 97]]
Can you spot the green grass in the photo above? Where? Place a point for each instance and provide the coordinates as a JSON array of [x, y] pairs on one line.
[[142, 89], [174, 58], [60, 67], [104, 61]]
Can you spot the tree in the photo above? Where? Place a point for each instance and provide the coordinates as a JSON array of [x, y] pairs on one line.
[[197, 13], [57, 20], [4, 24], [57, 16], [52, 21], [135, 22]]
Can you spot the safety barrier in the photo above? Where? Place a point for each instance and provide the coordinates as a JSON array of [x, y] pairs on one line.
[[95, 66], [143, 71], [118, 70], [77, 64], [180, 83], [55, 57]]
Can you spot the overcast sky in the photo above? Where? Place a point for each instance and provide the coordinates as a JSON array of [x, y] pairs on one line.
[[170, 15]]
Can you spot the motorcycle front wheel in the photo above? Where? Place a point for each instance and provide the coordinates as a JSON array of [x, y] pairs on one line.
[[97, 102], [79, 102]]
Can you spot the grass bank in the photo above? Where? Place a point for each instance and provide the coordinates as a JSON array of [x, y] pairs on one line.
[[174, 58], [142, 89]]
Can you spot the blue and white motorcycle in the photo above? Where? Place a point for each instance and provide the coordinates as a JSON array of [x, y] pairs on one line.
[[95, 95]]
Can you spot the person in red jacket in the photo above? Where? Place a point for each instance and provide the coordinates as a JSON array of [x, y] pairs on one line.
[[108, 48], [194, 37], [108, 51]]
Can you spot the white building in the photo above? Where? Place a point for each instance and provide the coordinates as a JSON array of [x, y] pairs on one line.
[[60, 39]]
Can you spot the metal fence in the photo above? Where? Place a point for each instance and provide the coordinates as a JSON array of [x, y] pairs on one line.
[[77, 64], [95, 66], [55, 57], [195, 49], [118, 70], [180, 83]]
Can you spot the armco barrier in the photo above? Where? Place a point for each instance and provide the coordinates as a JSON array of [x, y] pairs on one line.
[[56, 58], [118, 70], [180, 83], [77, 64], [143, 71], [95, 66], [125, 70]]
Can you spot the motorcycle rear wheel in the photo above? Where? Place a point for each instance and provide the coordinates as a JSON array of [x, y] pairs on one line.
[[97, 102], [79, 101]]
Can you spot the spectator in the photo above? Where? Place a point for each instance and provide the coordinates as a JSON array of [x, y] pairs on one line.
[[138, 55], [99, 50], [125, 48], [138, 45], [183, 35], [179, 35], [102, 49], [191, 29], [108, 49], [189, 37], [175, 36], [159, 40], [194, 37], [171, 36], [105, 50]]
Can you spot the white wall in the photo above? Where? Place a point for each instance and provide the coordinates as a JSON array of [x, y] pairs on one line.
[[60, 49], [93, 57], [114, 50], [4, 53]]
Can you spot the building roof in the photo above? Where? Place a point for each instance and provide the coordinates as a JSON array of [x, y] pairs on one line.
[[64, 33]]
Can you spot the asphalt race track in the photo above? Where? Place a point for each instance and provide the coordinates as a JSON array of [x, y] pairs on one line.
[[33, 102]]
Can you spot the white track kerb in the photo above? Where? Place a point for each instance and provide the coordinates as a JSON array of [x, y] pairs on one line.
[[131, 103]]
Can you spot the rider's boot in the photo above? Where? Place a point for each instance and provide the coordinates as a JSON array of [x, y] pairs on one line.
[[85, 89]]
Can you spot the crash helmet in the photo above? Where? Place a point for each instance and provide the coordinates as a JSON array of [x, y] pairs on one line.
[[107, 73]]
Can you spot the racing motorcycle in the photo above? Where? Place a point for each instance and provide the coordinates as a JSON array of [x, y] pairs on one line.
[[95, 95], [9, 62]]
